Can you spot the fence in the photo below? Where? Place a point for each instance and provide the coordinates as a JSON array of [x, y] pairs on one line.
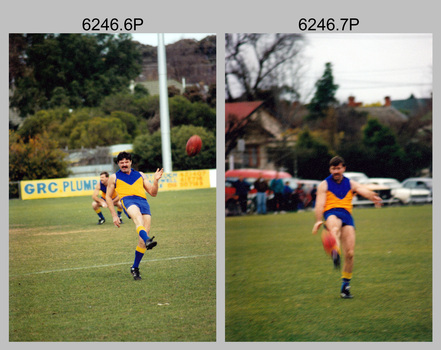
[[84, 186]]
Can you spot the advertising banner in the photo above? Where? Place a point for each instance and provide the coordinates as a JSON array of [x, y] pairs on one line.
[[84, 186]]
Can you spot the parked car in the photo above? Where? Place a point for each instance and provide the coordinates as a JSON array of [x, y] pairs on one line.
[[356, 176], [418, 182], [401, 194], [418, 186], [383, 191]]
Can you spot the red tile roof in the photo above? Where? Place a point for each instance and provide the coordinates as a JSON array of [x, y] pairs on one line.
[[240, 109]]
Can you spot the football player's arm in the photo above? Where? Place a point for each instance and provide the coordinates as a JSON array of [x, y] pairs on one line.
[[152, 188], [319, 206], [366, 193]]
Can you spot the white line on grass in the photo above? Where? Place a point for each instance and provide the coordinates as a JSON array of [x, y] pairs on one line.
[[107, 265]]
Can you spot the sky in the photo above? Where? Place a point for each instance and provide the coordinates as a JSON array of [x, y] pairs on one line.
[[366, 66], [371, 66], [169, 38]]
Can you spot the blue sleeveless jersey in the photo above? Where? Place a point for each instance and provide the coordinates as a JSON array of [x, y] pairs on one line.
[[130, 185], [338, 195]]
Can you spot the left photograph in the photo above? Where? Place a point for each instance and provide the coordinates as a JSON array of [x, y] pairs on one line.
[[112, 198]]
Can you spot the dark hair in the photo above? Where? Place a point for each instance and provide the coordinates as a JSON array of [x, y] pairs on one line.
[[123, 155], [105, 173], [336, 161]]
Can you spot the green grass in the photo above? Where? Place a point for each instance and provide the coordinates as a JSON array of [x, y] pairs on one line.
[[280, 285], [69, 279]]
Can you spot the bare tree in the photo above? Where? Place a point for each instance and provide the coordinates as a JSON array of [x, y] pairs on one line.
[[255, 62]]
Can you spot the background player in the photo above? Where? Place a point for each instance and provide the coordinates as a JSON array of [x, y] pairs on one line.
[[99, 198]]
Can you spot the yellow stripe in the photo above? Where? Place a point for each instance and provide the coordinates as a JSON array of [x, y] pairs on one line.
[[332, 201], [347, 275], [136, 189], [141, 250], [139, 228], [98, 210]]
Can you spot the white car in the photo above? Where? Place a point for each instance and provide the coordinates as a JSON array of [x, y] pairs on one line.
[[404, 194], [383, 191], [356, 176]]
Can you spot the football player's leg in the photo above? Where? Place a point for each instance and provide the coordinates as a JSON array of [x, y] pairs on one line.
[[333, 226], [140, 250], [348, 245], [97, 208]]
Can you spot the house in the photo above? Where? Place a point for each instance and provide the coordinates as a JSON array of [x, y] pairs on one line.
[[412, 105], [387, 114], [250, 131]]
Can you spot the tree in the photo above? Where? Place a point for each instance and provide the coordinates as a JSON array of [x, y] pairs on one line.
[[35, 158], [324, 97], [183, 112], [385, 156], [256, 62], [99, 131], [147, 149], [70, 69], [312, 156]]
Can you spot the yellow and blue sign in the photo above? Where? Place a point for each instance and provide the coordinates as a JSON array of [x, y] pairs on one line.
[[84, 186], [53, 188]]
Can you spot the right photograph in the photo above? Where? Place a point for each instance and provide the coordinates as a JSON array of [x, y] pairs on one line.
[[328, 187]]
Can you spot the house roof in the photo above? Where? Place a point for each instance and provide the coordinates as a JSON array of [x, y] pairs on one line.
[[240, 111], [411, 105], [384, 114]]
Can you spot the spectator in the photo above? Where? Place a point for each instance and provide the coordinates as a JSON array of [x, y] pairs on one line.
[[287, 191], [261, 186], [277, 186], [300, 194], [242, 188]]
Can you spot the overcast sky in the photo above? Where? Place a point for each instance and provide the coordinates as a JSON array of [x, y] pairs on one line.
[[371, 66], [367, 66], [169, 38]]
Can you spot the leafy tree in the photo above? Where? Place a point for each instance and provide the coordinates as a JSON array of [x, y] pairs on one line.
[[129, 120], [140, 91], [120, 101], [147, 107], [183, 112], [35, 158], [147, 149], [324, 96], [312, 157], [385, 156], [99, 131], [50, 121], [70, 69]]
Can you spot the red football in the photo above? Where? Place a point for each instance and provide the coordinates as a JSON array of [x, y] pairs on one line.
[[194, 145], [328, 241]]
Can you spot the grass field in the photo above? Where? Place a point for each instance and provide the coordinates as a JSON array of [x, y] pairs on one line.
[[69, 279], [280, 285]]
